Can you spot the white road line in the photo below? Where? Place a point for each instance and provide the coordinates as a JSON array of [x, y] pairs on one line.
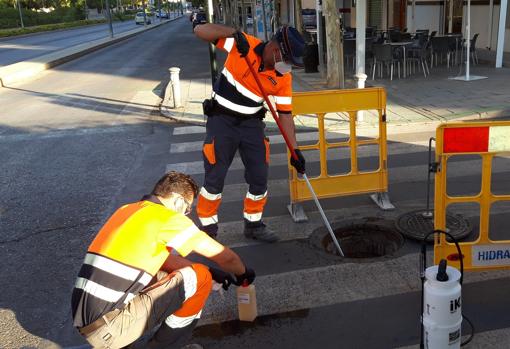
[[197, 167], [280, 187], [273, 139], [332, 284], [188, 130], [63, 133], [231, 233], [278, 139]]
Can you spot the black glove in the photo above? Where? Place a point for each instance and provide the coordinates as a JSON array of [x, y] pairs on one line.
[[298, 164], [241, 43], [221, 277], [245, 279]]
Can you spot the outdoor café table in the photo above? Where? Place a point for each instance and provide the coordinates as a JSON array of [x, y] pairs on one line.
[[402, 44], [457, 37]]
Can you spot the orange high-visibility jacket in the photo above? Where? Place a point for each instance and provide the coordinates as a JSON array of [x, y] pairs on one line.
[[236, 88], [126, 254]]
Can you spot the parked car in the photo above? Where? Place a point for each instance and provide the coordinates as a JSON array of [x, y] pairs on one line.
[[139, 18], [249, 20], [309, 18], [164, 14], [198, 18]]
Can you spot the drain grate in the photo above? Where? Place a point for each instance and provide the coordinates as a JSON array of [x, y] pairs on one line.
[[364, 240], [416, 224]]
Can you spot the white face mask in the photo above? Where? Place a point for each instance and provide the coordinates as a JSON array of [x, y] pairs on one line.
[[280, 66]]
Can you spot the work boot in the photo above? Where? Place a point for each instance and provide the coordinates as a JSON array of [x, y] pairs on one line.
[[259, 231], [211, 230]]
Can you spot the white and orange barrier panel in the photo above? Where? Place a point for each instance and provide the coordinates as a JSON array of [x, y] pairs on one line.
[[488, 140]]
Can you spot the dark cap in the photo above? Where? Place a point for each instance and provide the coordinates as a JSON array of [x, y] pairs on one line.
[[292, 45]]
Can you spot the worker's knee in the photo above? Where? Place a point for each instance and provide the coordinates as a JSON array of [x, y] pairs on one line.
[[204, 278], [197, 281]]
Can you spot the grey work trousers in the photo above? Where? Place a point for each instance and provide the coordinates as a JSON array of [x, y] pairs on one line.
[[142, 314], [230, 134]]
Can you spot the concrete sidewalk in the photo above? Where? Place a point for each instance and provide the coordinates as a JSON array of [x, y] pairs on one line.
[[415, 99]]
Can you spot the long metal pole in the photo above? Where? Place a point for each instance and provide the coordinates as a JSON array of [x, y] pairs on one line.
[[144, 13], [212, 49], [468, 38], [323, 215], [264, 20], [361, 24], [293, 154], [20, 15], [108, 13], [501, 33], [490, 23], [320, 38], [450, 17]]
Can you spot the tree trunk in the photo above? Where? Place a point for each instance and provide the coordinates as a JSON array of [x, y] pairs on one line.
[[334, 49], [298, 16]]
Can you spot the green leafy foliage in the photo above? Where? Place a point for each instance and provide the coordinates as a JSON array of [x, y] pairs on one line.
[[9, 17], [47, 27]]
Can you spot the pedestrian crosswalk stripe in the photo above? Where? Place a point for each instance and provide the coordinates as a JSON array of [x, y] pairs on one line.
[[344, 282], [188, 130], [469, 167], [231, 233], [273, 139], [184, 147], [280, 159], [280, 187]]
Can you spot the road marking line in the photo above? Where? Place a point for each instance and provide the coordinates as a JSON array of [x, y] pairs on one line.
[[279, 187], [231, 233], [188, 130], [63, 133], [280, 159], [339, 283]]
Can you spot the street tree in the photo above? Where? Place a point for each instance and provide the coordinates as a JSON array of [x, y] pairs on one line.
[[334, 46]]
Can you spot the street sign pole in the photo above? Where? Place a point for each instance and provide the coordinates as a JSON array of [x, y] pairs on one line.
[[212, 49], [144, 13], [20, 15], [109, 15]]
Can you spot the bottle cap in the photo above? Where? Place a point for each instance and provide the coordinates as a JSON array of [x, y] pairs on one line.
[[245, 283]]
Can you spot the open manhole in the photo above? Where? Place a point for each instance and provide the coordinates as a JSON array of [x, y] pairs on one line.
[[360, 240]]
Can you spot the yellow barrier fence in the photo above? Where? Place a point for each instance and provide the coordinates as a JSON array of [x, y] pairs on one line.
[[355, 182], [488, 140]]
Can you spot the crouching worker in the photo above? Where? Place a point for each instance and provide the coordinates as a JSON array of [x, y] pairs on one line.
[[135, 278]]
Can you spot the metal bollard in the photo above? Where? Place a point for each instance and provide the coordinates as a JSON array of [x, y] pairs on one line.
[[176, 86], [360, 79]]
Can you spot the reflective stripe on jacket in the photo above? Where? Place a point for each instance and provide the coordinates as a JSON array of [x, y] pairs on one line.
[[236, 88]]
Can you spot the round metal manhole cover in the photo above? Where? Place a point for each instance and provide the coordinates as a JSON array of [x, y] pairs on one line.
[[416, 224], [365, 240]]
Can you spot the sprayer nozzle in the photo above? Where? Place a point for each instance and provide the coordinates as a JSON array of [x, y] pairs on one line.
[[441, 271]]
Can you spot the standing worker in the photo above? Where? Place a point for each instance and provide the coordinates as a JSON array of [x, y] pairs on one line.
[[133, 278], [235, 114]]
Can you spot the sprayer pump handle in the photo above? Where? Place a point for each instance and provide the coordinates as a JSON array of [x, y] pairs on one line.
[[441, 271]]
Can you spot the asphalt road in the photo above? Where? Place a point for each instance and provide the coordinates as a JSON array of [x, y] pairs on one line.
[[81, 140], [71, 142], [17, 49]]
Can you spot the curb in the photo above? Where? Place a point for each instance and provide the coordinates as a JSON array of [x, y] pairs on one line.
[[24, 71]]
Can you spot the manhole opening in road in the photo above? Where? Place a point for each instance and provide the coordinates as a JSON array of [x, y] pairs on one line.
[[364, 240]]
